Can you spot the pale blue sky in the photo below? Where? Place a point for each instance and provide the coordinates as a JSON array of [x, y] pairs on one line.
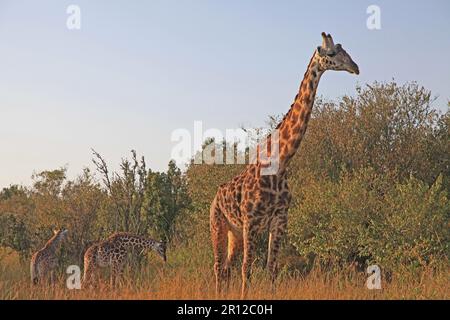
[[137, 70]]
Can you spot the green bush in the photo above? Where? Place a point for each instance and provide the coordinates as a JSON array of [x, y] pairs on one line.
[[367, 218], [413, 227]]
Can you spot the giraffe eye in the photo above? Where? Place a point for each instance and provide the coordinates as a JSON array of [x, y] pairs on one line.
[[331, 54]]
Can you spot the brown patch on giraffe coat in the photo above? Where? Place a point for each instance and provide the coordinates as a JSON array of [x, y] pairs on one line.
[[306, 99], [285, 133]]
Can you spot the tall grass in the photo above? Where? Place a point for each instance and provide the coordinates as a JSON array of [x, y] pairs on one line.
[[172, 281]]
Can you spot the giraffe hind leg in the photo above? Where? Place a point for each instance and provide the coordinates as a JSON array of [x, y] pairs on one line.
[[89, 269], [277, 232], [219, 234], [88, 275], [235, 245], [52, 277], [34, 273], [249, 237]]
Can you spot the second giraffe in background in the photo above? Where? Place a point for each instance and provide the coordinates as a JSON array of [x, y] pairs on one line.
[[112, 253]]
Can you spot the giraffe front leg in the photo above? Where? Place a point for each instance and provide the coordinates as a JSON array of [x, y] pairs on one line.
[[249, 241], [52, 278], [113, 276], [116, 274], [277, 232]]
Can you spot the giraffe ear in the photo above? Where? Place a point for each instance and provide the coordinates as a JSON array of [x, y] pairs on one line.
[[320, 51]]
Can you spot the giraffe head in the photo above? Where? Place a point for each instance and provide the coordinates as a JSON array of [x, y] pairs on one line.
[[60, 233], [334, 57]]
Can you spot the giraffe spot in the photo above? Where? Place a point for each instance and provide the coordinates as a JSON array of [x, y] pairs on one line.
[[265, 182], [285, 133], [259, 207], [302, 115], [306, 99]]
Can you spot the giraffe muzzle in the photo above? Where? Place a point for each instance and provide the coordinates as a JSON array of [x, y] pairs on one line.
[[354, 69]]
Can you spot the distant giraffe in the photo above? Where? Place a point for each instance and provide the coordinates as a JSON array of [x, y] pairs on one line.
[[44, 262], [253, 202], [112, 253]]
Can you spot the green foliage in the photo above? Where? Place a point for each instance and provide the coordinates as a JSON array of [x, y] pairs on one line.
[[390, 128], [125, 191], [165, 199], [412, 229], [14, 234], [364, 218], [135, 200], [203, 181]]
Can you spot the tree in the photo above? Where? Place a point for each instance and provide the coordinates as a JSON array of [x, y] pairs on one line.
[[166, 199], [83, 200], [126, 192]]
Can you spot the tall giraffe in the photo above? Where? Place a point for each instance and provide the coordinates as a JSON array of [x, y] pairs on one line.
[[253, 202], [112, 253], [44, 262]]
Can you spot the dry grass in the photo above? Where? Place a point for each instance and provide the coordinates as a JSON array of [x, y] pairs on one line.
[[171, 282]]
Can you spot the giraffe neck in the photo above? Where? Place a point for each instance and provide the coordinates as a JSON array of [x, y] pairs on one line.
[[54, 242], [138, 242], [292, 128]]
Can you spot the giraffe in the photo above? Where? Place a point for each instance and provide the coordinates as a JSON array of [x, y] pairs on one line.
[[44, 262], [112, 253], [253, 202]]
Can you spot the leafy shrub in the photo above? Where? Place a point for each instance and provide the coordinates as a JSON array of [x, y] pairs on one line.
[[365, 218]]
